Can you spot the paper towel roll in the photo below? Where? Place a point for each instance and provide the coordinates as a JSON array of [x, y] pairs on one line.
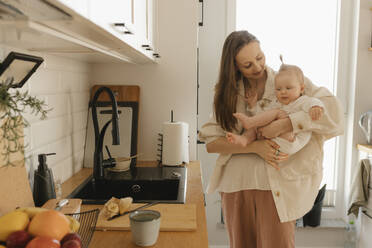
[[175, 143]]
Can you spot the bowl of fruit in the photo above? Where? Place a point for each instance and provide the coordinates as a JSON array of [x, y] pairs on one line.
[[35, 227]]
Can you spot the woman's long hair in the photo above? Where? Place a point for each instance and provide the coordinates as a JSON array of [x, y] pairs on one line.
[[226, 89]]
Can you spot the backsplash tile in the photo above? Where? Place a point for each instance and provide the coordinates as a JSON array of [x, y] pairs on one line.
[[64, 85], [44, 81]]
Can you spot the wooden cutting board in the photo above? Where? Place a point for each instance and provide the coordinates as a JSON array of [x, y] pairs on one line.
[[15, 190], [72, 207], [174, 217]]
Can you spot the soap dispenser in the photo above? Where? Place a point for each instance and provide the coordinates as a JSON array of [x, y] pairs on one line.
[[43, 182]]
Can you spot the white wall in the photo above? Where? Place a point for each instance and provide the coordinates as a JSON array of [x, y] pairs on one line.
[[64, 85], [211, 37], [168, 85]]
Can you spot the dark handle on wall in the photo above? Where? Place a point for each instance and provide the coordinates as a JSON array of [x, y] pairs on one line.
[[156, 55], [202, 17]]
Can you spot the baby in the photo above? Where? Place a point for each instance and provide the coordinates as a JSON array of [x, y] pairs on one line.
[[289, 88]]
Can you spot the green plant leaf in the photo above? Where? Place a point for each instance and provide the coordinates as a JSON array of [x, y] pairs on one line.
[[12, 107]]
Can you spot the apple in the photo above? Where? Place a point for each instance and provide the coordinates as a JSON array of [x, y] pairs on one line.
[[43, 242], [72, 243], [71, 236], [18, 239]]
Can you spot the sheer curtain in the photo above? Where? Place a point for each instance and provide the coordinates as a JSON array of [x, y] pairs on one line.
[[305, 33]]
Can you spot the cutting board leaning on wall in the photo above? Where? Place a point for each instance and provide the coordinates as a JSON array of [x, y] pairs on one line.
[[127, 97], [15, 190]]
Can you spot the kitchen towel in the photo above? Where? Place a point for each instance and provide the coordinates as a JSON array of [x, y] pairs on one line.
[[359, 193], [175, 143]]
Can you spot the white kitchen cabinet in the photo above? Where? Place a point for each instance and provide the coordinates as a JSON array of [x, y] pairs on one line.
[[80, 6], [125, 19], [129, 21], [140, 17], [151, 21], [111, 11], [115, 17], [113, 28], [143, 18]]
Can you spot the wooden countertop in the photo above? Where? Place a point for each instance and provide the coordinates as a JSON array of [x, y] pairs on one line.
[[364, 148], [194, 194]]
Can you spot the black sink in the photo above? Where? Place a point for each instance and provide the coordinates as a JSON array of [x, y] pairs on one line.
[[145, 184]]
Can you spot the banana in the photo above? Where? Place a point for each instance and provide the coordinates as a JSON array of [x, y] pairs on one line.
[[31, 211], [74, 223], [11, 222]]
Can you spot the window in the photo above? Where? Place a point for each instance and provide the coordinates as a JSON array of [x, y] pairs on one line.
[[305, 33]]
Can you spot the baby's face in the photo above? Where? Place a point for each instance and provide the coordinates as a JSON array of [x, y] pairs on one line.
[[287, 88]]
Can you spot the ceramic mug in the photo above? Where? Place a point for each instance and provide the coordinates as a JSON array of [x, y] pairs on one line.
[[145, 225]]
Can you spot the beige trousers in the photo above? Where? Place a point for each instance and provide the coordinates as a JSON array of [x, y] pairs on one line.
[[253, 222]]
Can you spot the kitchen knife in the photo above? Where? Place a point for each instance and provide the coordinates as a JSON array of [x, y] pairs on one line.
[[128, 212], [60, 204]]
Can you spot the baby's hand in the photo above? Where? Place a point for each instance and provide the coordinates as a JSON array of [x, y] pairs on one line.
[[282, 114], [316, 113]]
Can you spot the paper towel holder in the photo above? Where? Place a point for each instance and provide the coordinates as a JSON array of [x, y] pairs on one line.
[[160, 143], [160, 149]]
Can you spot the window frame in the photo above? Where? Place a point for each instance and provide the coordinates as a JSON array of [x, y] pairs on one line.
[[347, 12]]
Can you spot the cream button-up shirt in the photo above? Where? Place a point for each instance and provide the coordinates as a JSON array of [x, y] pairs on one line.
[[296, 184]]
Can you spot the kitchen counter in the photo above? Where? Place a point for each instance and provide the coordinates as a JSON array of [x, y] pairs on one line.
[[190, 239]]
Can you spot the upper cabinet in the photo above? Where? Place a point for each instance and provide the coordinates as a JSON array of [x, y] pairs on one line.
[[111, 11], [80, 6], [125, 19], [122, 30], [143, 14], [150, 24]]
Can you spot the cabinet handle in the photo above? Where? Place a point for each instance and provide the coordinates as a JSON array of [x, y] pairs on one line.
[[127, 30], [147, 47], [202, 13], [156, 55]]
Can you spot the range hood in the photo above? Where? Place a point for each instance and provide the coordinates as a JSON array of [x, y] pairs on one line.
[[35, 10]]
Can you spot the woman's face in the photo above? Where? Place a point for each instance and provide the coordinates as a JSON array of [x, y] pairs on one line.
[[250, 61]]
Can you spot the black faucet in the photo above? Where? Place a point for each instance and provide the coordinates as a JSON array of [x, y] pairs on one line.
[[99, 163]]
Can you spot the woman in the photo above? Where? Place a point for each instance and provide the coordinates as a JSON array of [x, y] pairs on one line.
[[263, 191]]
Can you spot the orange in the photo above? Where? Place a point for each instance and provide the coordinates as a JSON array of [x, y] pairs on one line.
[[43, 242], [51, 223]]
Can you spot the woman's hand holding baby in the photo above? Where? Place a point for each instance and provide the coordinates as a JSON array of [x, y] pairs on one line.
[[316, 113], [269, 151]]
